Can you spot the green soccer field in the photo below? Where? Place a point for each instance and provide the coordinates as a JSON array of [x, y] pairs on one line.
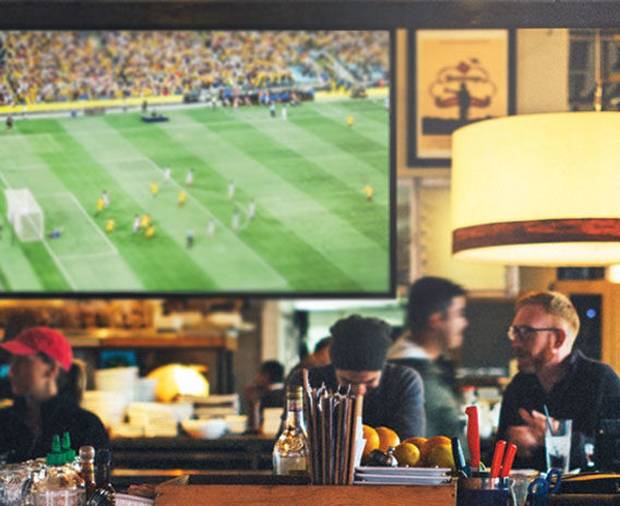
[[313, 231]]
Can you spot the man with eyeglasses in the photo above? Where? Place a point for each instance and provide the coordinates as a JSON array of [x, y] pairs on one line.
[[552, 374]]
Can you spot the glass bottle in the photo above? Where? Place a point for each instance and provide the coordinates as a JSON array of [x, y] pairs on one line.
[[104, 492], [87, 469], [61, 485], [290, 453], [68, 452]]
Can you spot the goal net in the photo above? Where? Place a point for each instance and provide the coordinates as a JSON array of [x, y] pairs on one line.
[[24, 214]]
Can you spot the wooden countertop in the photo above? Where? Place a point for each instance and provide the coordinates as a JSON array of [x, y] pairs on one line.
[[255, 495]]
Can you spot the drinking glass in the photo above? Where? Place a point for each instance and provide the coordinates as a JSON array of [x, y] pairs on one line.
[[557, 445]]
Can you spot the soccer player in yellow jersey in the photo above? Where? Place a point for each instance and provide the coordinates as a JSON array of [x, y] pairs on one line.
[[109, 226], [350, 121], [150, 232], [182, 198], [145, 221], [154, 188], [100, 204], [369, 191]]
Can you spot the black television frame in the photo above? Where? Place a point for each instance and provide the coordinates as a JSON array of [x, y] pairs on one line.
[[300, 15], [144, 294]]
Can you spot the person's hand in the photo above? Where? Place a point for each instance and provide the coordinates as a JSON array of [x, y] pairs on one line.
[[523, 437], [530, 436], [538, 422]]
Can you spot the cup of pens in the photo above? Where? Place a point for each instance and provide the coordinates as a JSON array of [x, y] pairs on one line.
[[484, 491], [557, 444], [487, 488]]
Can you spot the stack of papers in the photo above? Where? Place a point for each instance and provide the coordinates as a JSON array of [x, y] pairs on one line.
[[430, 476]]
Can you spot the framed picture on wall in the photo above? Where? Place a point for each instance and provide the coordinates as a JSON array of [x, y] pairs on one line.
[[456, 77]]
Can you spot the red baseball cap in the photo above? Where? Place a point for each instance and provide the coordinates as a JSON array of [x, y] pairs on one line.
[[44, 340]]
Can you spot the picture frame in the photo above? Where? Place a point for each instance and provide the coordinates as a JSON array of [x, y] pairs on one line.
[[456, 77]]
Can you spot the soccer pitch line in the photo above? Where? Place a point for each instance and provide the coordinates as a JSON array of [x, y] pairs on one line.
[[5, 181], [60, 266], [90, 255], [47, 246], [92, 222]]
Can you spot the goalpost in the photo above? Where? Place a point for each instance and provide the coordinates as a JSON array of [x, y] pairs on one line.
[[24, 215]]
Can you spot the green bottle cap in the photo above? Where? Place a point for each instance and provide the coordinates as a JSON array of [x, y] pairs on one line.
[[67, 451], [56, 456]]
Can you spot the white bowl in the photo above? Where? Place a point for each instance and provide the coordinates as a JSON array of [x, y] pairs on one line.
[[204, 429], [237, 424]]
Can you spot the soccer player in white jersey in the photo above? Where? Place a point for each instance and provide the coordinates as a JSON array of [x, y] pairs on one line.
[[106, 198], [235, 221], [252, 209], [167, 175], [136, 224], [211, 227], [231, 189], [189, 178]]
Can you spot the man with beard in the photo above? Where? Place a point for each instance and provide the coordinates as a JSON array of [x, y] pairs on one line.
[[551, 373], [393, 394]]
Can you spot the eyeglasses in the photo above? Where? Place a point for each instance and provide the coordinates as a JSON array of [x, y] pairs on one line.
[[525, 333]]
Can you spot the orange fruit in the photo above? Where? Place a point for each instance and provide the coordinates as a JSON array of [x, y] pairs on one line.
[[431, 443], [407, 454], [372, 440], [388, 438], [441, 456], [416, 440]]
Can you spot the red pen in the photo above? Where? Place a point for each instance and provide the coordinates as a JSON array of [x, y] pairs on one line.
[[473, 437], [509, 458], [498, 455]]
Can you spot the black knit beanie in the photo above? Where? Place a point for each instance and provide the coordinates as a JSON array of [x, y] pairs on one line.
[[359, 344]]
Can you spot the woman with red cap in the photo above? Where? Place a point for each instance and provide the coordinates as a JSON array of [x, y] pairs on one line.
[[47, 386]]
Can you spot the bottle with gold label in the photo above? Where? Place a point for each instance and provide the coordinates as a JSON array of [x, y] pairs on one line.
[[290, 453]]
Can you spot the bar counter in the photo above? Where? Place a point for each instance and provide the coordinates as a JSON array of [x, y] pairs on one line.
[[153, 460], [276, 495]]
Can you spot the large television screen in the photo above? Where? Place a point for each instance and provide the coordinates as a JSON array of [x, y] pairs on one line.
[[196, 162]]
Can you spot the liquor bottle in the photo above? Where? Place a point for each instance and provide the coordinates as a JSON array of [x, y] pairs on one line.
[[87, 469], [290, 453], [104, 491]]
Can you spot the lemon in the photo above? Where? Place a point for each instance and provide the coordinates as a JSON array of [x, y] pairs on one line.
[[440, 456], [407, 454]]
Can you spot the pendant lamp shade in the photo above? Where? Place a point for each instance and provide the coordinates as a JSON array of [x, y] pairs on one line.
[[539, 190]]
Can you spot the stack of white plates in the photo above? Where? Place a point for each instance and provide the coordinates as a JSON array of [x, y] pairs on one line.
[[108, 406], [158, 419], [214, 405], [121, 380], [402, 475], [144, 390]]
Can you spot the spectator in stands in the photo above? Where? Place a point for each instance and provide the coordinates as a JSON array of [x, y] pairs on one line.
[[116, 65]]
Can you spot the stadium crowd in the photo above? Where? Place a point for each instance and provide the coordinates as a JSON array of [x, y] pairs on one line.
[[40, 67]]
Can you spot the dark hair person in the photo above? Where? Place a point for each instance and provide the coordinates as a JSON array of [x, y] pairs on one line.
[[394, 395], [434, 327], [47, 384]]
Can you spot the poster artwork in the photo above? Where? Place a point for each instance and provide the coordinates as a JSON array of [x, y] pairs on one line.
[[462, 76]]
